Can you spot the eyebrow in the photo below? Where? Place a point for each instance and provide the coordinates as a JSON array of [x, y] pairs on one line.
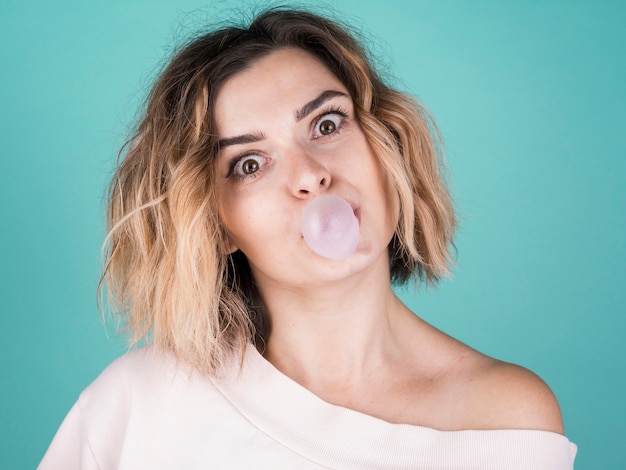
[[240, 139], [316, 103], [300, 115]]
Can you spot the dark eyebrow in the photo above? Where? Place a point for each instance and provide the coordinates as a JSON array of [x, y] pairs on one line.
[[316, 103], [300, 115], [240, 139]]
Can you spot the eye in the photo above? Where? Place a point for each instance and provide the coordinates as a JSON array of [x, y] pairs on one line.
[[327, 125], [247, 165]]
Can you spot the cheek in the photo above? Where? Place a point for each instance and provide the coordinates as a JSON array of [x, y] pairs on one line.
[[232, 218], [251, 224], [235, 220]]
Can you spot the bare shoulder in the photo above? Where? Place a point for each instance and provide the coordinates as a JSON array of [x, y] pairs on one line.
[[461, 388], [507, 396]]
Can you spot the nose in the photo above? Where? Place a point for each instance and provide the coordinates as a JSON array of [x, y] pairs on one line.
[[309, 177]]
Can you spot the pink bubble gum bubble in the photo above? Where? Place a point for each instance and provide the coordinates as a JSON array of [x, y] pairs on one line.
[[330, 227]]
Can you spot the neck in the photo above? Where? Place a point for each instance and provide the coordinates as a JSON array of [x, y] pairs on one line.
[[336, 334]]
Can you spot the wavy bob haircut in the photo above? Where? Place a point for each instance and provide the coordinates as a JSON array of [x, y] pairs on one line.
[[167, 269]]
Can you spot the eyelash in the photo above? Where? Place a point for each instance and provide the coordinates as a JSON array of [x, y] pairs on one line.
[[329, 110], [239, 158]]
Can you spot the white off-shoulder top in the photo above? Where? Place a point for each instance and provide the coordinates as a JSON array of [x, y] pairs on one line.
[[146, 411]]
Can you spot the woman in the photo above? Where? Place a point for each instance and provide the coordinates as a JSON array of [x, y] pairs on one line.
[[265, 353]]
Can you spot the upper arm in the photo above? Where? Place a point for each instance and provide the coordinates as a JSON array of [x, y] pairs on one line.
[[511, 397]]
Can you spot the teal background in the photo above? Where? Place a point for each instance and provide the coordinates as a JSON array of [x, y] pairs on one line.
[[530, 98]]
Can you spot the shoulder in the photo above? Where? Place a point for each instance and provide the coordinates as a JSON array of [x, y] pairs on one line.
[[95, 428], [142, 372], [507, 396], [486, 393], [134, 367]]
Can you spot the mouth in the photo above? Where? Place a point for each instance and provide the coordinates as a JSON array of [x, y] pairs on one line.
[[357, 214]]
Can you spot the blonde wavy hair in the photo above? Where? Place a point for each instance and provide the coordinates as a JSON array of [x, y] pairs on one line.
[[167, 271]]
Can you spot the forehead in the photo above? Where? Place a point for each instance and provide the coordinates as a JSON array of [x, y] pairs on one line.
[[284, 79]]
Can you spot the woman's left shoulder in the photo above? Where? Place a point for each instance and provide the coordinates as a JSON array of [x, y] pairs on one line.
[[508, 396]]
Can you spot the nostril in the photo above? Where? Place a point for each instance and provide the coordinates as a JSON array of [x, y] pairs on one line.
[[308, 177]]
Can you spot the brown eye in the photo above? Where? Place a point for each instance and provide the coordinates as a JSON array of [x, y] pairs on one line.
[[327, 127], [328, 124], [249, 166]]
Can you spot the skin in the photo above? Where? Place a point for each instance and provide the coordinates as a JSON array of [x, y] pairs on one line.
[[337, 327]]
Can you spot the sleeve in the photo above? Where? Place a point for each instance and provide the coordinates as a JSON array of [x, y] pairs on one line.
[[70, 448], [92, 434]]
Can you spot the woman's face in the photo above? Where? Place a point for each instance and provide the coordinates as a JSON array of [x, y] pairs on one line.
[[288, 133]]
